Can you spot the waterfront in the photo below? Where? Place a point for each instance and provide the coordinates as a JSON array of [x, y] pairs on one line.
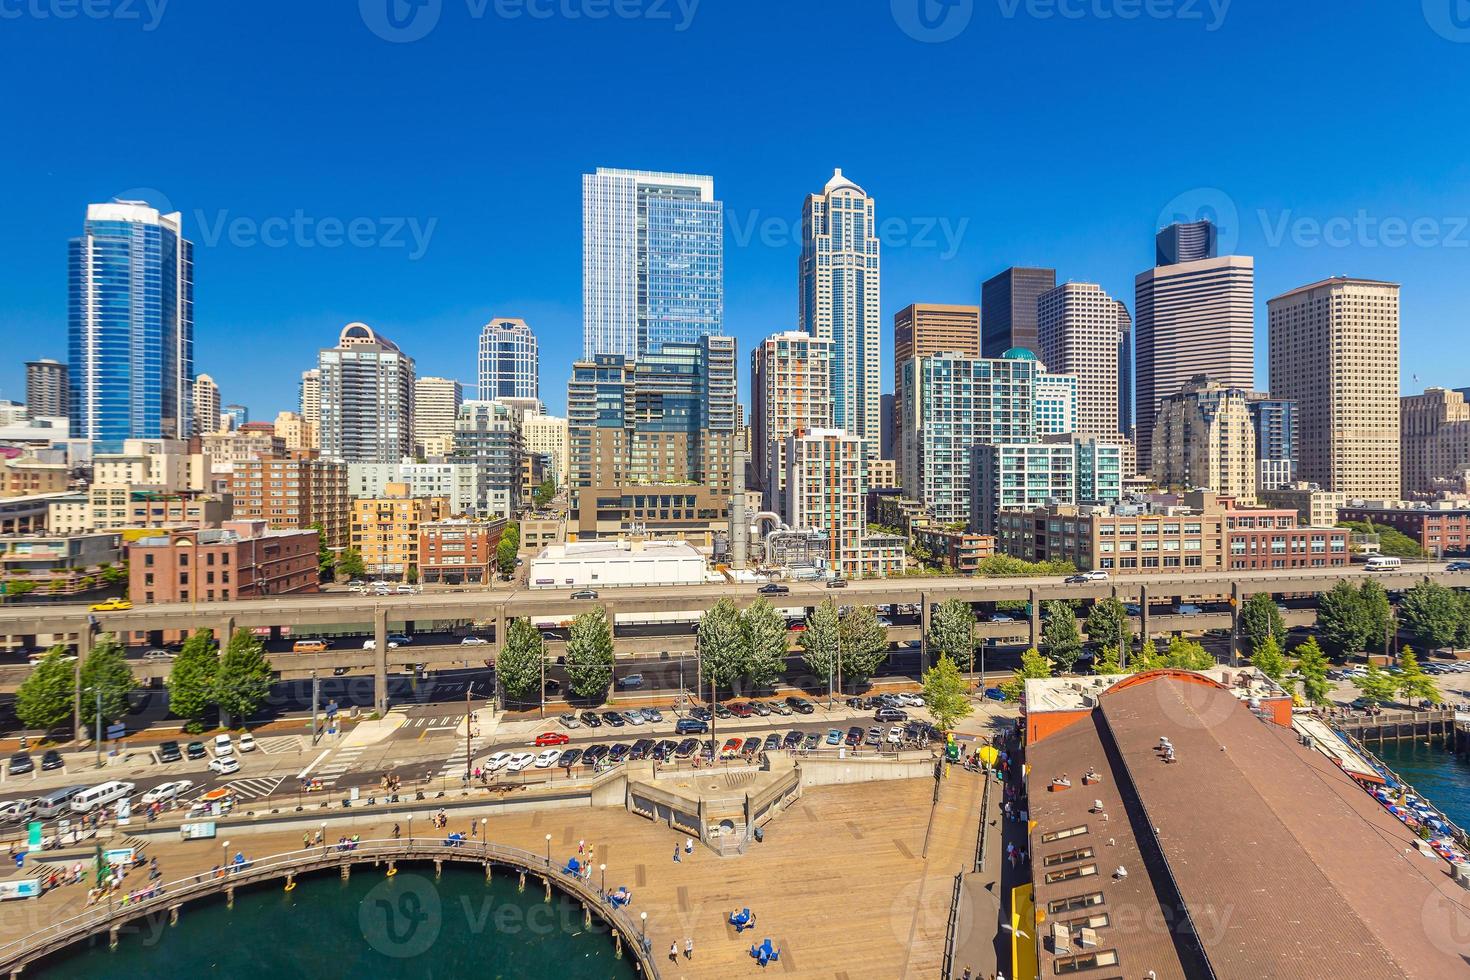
[[1439, 775], [410, 925]]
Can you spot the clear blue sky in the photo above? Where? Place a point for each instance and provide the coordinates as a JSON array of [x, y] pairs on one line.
[[1036, 139]]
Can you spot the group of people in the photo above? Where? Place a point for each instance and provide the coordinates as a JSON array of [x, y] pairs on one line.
[[1165, 749], [110, 887]]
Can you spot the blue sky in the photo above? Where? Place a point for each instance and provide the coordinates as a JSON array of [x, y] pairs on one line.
[[1332, 138]]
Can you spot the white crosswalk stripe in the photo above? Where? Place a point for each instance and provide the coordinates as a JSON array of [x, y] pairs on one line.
[[279, 744], [455, 764], [256, 787], [343, 761]]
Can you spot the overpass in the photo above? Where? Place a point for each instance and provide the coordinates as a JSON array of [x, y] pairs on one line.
[[492, 609]]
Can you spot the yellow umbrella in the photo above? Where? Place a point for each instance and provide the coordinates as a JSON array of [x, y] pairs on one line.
[[988, 754]]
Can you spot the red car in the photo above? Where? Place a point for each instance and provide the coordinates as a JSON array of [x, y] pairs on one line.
[[731, 749], [552, 738], [741, 709]]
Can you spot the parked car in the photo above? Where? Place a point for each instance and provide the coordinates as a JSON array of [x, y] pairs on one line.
[[587, 594], [699, 713], [548, 758], [1096, 575], [520, 762], [224, 765], [741, 709], [722, 712], [686, 747], [247, 743], [779, 707], [793, 740], [664, 750], [223, 745], [618, 753], [811, 741], [15, 810], [774, 588], [837, 583], [20, 764], [640, 749], [196, 750], [995, 694], [634, 717], [1186, 609], [570, 758], [157, 656], [875, 736], [569, 720], [800, 705], [895, 735], [761, 708], [731, 748], [653, 715], [51, 760], [772, 743], [474, 641], [591, 719], [890, 714], [854, 736], [593, 755], [613, 718], [751, 747], [552, 738], [690, 726]]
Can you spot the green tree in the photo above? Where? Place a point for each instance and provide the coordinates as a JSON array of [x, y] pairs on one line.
[[1107, 624], [945, 695], [1377, 613], [543, 494], [1004, 566], [1462, 635], [16, 588], [1433, 613], [1269, 659], [325, 562], [819, 642], [115, 575], [520, 662], [1413, 683], [1376, 684], [349, 564], [1109, 661], [1341, 619], [191, 679], [1187, 655], [952, 631], [1390, 541], [724, 647], [44, 699], [590, 654], [765, 636], [1147, 658], [505, 555], [412, 575], [243, 682], [1060, 638], [1311, 664], [1261, 620], [106, 671], [1033, 666], [864, 643]]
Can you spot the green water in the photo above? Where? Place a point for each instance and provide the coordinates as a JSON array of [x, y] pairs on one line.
[[371, 926], [1440, 775]]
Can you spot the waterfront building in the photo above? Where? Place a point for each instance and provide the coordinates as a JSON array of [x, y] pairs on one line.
[[366, 398], [509, 361]]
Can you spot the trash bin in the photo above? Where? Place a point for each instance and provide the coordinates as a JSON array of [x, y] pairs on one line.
[[760, 834]]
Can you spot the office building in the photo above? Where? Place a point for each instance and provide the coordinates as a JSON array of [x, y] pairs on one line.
[[311, 396], [1079, 331], [297, 491], [790, 390], [1026, 475], [1334, 350], [366, 400], [385, 529], [1056, 404], [238, 560], [1193, 318], [459, 551], [510, 365], [838, 286], [1008, 309], [825, 487], [921, 329], [1127, 421], [436, 404], [1205, 438], [1190, 241], [1314, 506], [1274, 420], [48, 389], [1434, 440], [652, 261], [546, 436], [206, 406], [130, 319], [488, 436]]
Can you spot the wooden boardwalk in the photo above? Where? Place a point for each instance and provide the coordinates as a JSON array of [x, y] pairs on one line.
[[840, 884]]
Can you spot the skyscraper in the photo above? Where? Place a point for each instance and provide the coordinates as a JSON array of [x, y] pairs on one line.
[[488, 434], [790, 391], [1434, 440], [311, 396], [1079, 332], [1334, 350], [839, 301], [1276, 440], [131, 323], [206, 406], [1193, 318], [919, 330], [510, 366], [1186, 242], [366, 398], [48, 392], [1008, 309], [652, 261], [1127, 422], [436, 404]]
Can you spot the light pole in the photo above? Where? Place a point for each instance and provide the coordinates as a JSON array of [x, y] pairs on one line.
[[225, 856], [468, 721], [323, 833], [603, 868], [643, 927], [484, 840], [548, 850]]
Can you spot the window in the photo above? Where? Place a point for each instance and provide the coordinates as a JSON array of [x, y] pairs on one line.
[[1062, 857], [1057, 835], [1098, 920], [1069, 874], [1087, 961], [1074, 902]]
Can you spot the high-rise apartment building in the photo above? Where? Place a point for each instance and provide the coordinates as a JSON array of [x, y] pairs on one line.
[[1012, 476], [1186, 242], [311, 395], [294, 491], [825, 486], [1334, 350], [1276, 441], [1205, 438], [1434, 441], [130, 315], [48, 390], [790, 390], [1193, 318], [838, 285], [546, 435], [510, 364], [488, 434], [436, 404], [1079, 331], [206, 406], [652, 261], [1056, 404], [1008, 309], [366, 398]]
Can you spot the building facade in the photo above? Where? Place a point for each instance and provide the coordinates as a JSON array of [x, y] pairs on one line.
[[240, 560], [487, 435], [1274, 421], [509, 361], [1186, 242], [1026, 475], [1008, 309], [48, 389], [24, 476], [1441, 527], [839, 302], [790, 390], [1334, 350], [1079, 329], [206, 406], [456, 482], [130, 315], [436, 404], [311, 395], [1434, 440], [921, 329], [1314, 506], [546, 436], [385, 530], [825, 490], [458, 552], [1205, 437], [962, 551], [366, 398], [294, 492]]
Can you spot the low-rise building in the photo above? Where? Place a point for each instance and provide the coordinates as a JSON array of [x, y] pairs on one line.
[[25, 476], [960, 550], [1314, 506], [1442, 527], [888, 507], [538, 533], [229, 448], [882, 473], [385, 530], [457, 481], [26, 515], [238, 560], [612, 564], [459, 551], [672, 512], [47, 564]]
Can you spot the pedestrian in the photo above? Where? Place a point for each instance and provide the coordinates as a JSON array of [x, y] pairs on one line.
[[688, 845], [689, 948], [677, 859], [305, 840], [396, 831], [674, 951]]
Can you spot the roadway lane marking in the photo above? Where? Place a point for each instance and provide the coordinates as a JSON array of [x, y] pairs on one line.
[[315, 762]]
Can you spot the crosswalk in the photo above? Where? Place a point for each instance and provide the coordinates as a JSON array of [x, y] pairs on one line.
[[455, 764], [279, 744], [344, 761], [441, 721], [257, 787]]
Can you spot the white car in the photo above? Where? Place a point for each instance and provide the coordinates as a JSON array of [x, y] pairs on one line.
[[497, 761], [15, 810], [895, 736], [474, 641], [158, 655], [634, 718], [373, 644], [247, 742], [224, 765], [168, 791], [520, 762], [1097, 575], [548, 758], [569, 721], [223, 746]]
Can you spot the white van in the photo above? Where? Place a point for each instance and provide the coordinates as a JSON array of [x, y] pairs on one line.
[[223, 745], [1382, 563], [90, 799]]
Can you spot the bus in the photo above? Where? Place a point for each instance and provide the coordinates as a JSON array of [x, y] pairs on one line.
[[1383, 563]]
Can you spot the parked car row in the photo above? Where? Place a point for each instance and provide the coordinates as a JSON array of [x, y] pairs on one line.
[[21, 762]]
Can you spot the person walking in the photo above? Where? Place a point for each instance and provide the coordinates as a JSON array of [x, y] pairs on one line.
[[674, 951], [677, 859], [689, 948]]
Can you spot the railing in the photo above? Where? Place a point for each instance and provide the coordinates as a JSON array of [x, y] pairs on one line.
[[169, 895], [1460, 837]]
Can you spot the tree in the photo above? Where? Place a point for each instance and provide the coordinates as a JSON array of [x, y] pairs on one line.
[[520, 662], [952, 631], [1413, 683], [115, 575], [1033, 666], [1341, 619], [864, 643], [412, 575], [349, 564], [765, 637], [505, 555], [1109, 661], [1390, 541], [724, 647], [1187, 655], [325, 562], [1261, 620], [191, 680], [243, 681], [1433, 613], [590, 654], [1269, 659], [1107, 624], [819, 642], [543, 493], [1311, 664], [16, 588], [105, 671], [1147, 658], [1005, 566], [944, 694], [1375, 684], [1377, 613], [44, 699], [1061, 638]]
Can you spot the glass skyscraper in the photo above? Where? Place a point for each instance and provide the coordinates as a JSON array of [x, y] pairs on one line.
[[652, 261], [130, 319], [510, 364]]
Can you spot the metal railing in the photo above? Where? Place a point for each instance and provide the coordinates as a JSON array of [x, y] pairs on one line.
[[172, 894]]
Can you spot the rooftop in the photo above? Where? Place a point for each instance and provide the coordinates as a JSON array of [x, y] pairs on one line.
[[637, 550], [1075, 693]]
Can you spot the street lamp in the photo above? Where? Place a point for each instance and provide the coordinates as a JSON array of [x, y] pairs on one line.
[[603, 868], [548, 850], [225, 855], [323, 833], [484, 840], [643, 927]]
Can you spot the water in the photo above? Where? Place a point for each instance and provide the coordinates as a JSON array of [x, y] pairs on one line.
[[411, 925], [1439, 775]]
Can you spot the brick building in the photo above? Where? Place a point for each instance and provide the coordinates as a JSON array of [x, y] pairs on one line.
[[294, 492], [239, 560], [1440, 527], [458, 552]]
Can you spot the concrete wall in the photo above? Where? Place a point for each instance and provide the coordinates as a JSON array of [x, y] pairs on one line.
[[834, 772]]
